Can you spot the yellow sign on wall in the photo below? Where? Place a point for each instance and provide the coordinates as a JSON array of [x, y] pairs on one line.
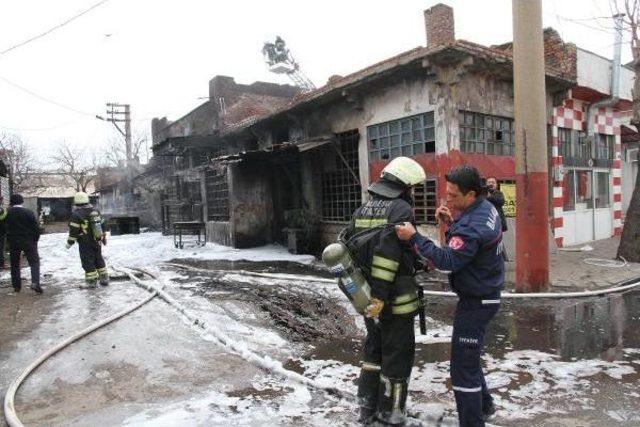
[[509, 191]]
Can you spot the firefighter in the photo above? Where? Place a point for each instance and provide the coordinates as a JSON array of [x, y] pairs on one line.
[[389, 268], [86, 228], [473, 255]]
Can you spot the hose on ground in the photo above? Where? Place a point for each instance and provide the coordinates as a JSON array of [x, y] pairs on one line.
[[9, 399], [623, 286], [602, 262], [264, 362]]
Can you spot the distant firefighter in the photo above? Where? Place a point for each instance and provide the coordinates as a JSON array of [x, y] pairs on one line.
[[87, 228]]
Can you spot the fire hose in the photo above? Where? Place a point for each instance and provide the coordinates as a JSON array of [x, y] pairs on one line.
[[264, 362]]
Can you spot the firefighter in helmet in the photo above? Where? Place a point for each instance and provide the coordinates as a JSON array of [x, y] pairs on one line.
[[388, 264], [87, 228]]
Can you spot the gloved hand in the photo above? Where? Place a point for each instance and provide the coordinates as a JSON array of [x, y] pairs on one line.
[[104, 240], [67, 245], [374, 308]]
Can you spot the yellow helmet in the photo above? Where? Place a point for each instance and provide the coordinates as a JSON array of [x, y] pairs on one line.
[[81, 198], [406, 170], [400, 174]]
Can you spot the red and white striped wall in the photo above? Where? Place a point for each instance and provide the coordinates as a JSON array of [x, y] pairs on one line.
[[572, 115], [607, 122]]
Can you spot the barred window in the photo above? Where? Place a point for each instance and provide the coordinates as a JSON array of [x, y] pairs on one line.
[[484, 134], [604, 146], [341, 191], [425, 197], [574, 147], [405, 137], [217, 195]]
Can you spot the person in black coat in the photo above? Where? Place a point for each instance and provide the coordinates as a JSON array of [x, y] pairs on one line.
[[23, 234], [495, 196]]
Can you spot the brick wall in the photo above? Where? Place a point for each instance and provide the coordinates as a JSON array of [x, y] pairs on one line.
[[439, 25]]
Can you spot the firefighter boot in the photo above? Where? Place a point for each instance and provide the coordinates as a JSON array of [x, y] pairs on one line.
[[91, 279], [392, 400], [103, 276], [368, 385]]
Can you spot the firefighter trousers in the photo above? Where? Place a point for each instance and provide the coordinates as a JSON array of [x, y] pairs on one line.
[[388, 357], [92, 261], [467, 379]]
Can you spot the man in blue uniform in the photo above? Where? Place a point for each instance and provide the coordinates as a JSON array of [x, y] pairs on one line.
[[388, 264], [473, 256]]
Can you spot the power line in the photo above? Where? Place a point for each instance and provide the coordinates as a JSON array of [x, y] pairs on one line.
[[39, 129], [52, 29], [42, 98], [602, 29]]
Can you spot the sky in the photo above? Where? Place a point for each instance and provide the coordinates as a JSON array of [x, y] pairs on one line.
[[159, 55]]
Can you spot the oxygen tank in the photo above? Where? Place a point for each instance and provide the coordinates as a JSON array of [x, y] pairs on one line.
[[354, 285], [95, 225]]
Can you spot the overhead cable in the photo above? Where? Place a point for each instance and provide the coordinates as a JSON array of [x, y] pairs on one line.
[[52, 29]]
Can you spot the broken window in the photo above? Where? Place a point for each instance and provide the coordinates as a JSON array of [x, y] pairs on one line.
[[217, 195], [405, 137], [341, 191], [425, 202], [484, 134]]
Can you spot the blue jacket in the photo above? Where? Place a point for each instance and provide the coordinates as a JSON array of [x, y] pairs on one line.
[[473, 251]]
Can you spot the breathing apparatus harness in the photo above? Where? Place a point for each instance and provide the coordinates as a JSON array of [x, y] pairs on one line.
[[352, 245]]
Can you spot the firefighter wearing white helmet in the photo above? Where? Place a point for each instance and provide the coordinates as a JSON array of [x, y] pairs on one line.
[[87, 229], [388, 265]]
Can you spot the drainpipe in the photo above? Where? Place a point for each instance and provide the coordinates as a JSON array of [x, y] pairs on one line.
[[609, 102]]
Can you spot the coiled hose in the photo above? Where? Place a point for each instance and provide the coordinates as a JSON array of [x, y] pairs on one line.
[[9, 398]]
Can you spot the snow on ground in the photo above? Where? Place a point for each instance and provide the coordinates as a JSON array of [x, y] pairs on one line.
[[146, 249], [525, 383]]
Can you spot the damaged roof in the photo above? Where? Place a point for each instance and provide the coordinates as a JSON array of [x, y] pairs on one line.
[[489, 54]]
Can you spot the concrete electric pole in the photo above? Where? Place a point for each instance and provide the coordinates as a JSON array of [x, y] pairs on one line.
[[532, 170], [121, 113]]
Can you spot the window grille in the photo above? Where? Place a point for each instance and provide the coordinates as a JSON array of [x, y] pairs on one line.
[[341, 191], [217, 195], [425, 197]]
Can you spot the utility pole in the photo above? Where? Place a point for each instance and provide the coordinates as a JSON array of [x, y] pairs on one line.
[[121, 113], [532, 170]]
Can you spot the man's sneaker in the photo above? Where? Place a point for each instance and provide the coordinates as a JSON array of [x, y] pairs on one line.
[[16, 290], [488, 411], [36, 287]]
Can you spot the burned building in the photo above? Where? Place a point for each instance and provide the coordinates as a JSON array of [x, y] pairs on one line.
[[262, 163]]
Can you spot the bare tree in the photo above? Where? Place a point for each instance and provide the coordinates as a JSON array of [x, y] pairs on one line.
[[629, 247], [18, 158], [74, 163], [116, 148]]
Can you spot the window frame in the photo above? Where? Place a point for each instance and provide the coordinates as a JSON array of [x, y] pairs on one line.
[[486, 134], [409, 136]]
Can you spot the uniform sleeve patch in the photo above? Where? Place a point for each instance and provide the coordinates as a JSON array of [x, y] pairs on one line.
[[456, 243]]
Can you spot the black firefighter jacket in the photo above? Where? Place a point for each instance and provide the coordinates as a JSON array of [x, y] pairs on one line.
[[388, 263]]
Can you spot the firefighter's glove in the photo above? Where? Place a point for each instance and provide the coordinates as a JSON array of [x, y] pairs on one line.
[[104, 241], [374, 308]]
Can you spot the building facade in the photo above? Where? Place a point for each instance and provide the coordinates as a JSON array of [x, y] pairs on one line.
[[261, 163]]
